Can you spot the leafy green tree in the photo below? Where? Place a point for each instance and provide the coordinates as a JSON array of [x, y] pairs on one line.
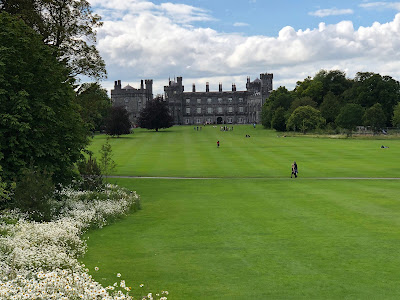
[[304, 101], [279, 120], [118, 121], [67, 25], [330, 107], [350, 116], [107, 163], [375, 117], [94, 105], [155, 115], [281, 97], [39, 119], [370, 88], [305, 118], [396, 115]]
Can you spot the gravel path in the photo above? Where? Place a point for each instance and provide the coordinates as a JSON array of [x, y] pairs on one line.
[[269, 178]]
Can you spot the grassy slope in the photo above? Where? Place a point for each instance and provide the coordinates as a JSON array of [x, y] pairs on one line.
[[181, 151], [239, 238]]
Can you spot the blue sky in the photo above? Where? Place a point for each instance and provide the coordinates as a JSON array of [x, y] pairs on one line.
[[226, 41]]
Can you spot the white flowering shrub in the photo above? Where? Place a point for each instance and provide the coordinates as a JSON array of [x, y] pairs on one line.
[[40, 260]]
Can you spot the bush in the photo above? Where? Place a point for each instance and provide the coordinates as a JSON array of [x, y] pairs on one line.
[[34, 195], [90, 171]]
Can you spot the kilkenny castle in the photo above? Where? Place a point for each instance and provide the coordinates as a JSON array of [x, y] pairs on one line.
[[195, 108]]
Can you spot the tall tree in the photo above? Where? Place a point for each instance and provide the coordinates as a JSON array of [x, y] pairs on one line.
[[305, 118], [375, 117], [95, 105], [155, 115], [279, 120], [67, 25], [39, 120], [330, 107], [350, 116], [396, 115], [118, 121]]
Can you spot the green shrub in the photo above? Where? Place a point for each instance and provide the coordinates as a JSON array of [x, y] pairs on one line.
[[90, 171], [34, 194]]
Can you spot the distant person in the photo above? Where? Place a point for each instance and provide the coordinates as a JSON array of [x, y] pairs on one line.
[[294, 170], [217, 144]]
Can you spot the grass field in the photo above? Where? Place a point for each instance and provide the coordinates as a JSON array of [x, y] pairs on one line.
[[254, 232]]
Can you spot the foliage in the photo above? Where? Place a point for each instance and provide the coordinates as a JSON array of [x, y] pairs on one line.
[[69, 26], [279, 120], [305, 118], [303, 101], [375, 117], [330, 107], [396, 115], [39, 119], [155, 115], [278, 98], [34, 194], [118, 121], [90, 172], [107, 163], [371, 88], [40, 260], [350, 116], [94, 105]]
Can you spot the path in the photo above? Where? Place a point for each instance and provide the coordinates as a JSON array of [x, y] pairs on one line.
[[269, 178]]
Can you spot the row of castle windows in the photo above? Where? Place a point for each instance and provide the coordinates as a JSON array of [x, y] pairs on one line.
[[229, 120], [210, 110], [209, 100]]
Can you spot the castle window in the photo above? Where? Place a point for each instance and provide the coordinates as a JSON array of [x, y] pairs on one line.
[[199, 110], [126, 100], [174, 92], [198, 121], [209, 100], [219, 100], [229, 99], [187, 121], [209, 110], [230, 109], [240, 120], [209, 120], [187, 101], [241, 109], [220, 110], [188, 110], [198, 101], [229, 120], [240, 99]]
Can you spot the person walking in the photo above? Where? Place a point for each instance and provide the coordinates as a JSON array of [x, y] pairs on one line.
[[217, 144], [294, 170]]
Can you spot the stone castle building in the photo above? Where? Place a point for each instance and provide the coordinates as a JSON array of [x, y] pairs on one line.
[[213, 107]]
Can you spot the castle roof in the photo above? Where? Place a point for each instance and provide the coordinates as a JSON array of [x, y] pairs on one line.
[[128, 87], [257, 80]]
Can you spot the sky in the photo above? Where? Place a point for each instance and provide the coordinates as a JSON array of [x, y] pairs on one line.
[[225, 41]]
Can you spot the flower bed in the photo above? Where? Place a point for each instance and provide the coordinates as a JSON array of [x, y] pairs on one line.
[[40, 260]]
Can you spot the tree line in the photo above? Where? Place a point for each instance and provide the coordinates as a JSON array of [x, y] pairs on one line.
[[332, 101]]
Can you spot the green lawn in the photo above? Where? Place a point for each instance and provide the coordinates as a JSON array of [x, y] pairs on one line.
[[263, 238]]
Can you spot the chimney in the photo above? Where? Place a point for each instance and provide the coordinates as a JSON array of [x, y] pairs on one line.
[[141, 85], [194, 88], [233, 87], [207, 87], [220, 87], [119, 83]]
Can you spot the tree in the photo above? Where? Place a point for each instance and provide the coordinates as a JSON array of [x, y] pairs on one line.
[[330, 107], [305, 118], [155, 115], [350, 116], [118, 121], [95, 105], [396, 115], [39, 120], [375, 117], [67, 25], [279, 120], [107, 163], [278, 98], [304, 101]]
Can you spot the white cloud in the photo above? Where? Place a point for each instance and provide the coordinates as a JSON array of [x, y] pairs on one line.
[[331, 12], [153, 44], [381, 5], [240, 24]]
